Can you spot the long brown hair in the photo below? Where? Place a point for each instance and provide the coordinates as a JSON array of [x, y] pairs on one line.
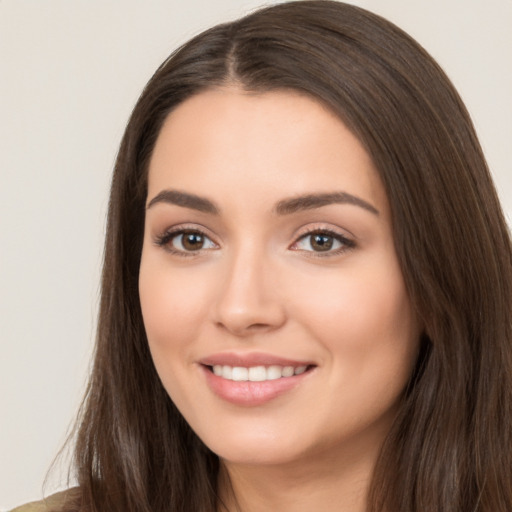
[[450, 448]]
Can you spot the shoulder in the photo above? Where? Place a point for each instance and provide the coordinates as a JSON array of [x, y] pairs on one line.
[[53, 503], [36, 506]]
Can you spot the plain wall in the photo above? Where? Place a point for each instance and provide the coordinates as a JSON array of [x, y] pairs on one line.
[[71, 71]]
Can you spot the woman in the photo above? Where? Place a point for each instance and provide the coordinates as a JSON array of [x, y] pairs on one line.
[[307, 284]]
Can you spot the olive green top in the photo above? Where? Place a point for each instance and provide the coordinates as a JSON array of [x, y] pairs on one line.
[[46, 505], [36, 506]]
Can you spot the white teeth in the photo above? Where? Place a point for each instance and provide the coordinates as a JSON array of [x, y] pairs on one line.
[[240, 373], [227, 372], [288, 371], [256, 373], [274, 372]]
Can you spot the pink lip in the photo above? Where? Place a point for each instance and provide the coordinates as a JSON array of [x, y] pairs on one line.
[[247, 393], [250, 359]]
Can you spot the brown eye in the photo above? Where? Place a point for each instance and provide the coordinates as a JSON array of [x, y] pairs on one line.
[[192, 241], [321, 242], [186, 241]]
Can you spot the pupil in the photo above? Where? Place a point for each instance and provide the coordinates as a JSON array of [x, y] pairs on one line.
[[322, 242], [192, 241]]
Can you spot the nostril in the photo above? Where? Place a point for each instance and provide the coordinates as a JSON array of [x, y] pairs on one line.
[[258, 326]]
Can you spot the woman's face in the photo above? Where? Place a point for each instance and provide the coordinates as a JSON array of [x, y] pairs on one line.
[[274, 305]]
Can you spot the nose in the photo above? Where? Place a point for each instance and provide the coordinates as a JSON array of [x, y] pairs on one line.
[[249, 300]]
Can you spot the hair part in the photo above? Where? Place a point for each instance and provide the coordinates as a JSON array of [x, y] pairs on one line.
[[450, 448]]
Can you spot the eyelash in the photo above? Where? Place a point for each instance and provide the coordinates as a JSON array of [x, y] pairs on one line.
[[164, 240], [167, 237], [346, 244]]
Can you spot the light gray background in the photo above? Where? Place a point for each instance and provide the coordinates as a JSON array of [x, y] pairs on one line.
[[70, 72]]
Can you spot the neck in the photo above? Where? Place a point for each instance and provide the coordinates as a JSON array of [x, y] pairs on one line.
[[327, 484]]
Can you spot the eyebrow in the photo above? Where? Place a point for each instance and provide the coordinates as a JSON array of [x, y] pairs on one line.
[[311, 201], [284, 207], [186, 200]]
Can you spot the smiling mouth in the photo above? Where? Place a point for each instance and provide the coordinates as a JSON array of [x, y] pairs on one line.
[[257, 373]]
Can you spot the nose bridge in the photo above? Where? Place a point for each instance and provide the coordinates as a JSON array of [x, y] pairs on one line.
[[248, 299]]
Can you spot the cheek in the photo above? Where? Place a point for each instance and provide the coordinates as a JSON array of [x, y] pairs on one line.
[[364, 320], [370, 335], [172, 303], [171, 309]]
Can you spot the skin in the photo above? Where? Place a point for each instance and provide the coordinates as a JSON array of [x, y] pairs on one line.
[[259, 285]]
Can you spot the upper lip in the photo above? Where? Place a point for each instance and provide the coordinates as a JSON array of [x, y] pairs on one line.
[[250, 359]]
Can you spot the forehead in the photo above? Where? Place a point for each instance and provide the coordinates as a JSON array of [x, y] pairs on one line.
[[273, 143]]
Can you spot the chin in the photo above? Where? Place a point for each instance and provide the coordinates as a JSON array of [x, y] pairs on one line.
[[256, 448], [257, 456]]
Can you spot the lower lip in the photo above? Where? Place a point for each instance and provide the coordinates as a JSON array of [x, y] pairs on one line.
[[248, 393]]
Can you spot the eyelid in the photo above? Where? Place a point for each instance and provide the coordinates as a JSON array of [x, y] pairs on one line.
[[167, 235], [347, 240]]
